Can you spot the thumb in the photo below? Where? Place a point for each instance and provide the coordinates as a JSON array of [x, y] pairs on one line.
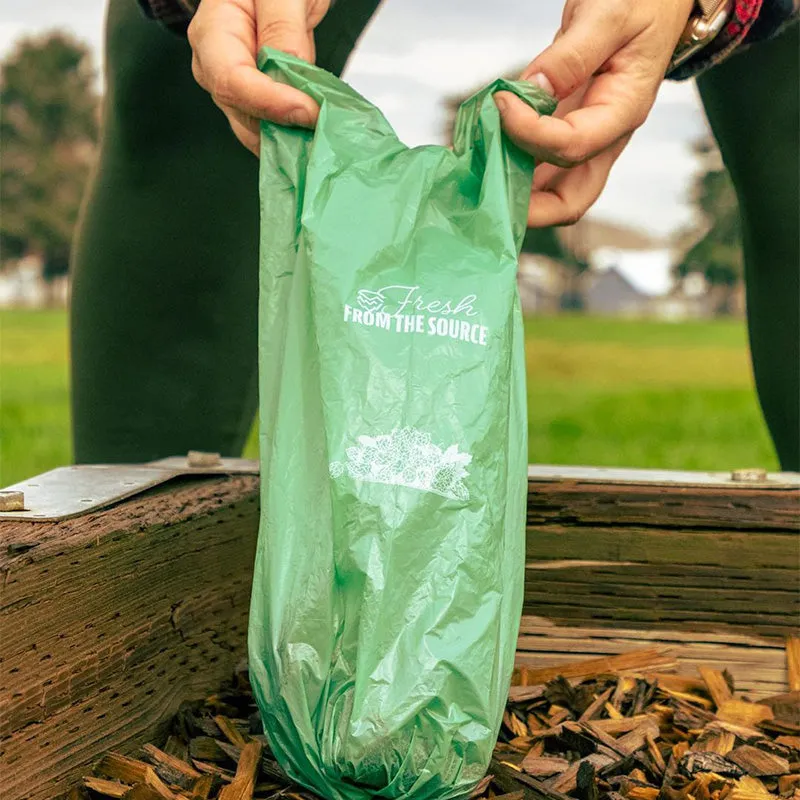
[[577, 53], [283, 25]]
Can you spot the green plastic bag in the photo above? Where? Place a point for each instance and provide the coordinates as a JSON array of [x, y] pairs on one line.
[[389, 573]]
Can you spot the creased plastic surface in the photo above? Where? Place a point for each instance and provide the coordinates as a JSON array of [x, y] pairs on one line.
[[389, 573]]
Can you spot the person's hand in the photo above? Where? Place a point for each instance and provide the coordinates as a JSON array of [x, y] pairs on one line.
[[604, 68], [226, 36]]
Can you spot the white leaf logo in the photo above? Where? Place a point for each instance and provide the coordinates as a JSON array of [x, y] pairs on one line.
[[370, 301]]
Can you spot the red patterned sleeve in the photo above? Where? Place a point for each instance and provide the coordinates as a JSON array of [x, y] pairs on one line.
[[751, 21]]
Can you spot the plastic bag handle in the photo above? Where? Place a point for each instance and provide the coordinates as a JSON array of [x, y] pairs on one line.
[[478, 135], [478, 138]]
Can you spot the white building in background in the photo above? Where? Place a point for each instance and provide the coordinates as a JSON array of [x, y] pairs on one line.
[[22, 285], [540, 282], [649, 272], [636, 283]]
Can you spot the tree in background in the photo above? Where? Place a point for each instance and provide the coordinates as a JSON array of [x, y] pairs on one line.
[[48, 133], [717, 253]]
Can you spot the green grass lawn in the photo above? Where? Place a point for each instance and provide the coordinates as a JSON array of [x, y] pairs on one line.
[[34, 403], [601, 392]]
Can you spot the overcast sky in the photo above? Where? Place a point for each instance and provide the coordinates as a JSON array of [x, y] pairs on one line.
[[418, 52]]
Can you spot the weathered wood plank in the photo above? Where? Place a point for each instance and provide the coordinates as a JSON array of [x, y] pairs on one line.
[[735, 655], [735, 507], [717, 548], [758, 665], [638, 659], [694, 557], [793, 662], [780, 600], [541, 626], [675, 575], [634, 616], [781, 607], [117, 618], [614, 567]]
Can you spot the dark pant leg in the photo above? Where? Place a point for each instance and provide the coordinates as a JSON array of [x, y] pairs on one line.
[[752, 104], [164, 322]]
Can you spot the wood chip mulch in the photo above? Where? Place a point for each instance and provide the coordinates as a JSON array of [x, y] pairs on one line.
[[627, 731]]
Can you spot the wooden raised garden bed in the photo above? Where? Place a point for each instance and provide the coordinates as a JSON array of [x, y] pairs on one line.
[[114, 617]]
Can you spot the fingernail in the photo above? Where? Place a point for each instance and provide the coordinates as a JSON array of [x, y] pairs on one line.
[[300, 117], [542, 81]]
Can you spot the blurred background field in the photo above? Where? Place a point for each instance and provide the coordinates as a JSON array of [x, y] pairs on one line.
[[601, 392]]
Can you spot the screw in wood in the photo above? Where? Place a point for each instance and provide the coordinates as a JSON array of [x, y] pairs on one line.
[[755, 475], [197, 458], [12, 501]]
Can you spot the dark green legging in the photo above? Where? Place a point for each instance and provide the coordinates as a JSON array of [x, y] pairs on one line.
[[752, 105], [165, 267]]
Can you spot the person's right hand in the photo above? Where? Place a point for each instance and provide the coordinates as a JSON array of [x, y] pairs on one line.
[[226, 35]]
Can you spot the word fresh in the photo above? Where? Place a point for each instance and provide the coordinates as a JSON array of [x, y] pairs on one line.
[[401, 299]]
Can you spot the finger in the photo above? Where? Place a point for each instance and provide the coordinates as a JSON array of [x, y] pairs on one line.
[[562, 197], [252, 141], [224, 64], [594, 33], [566, 106], [246, 129], [544, 175], [614, 106], [253, 93], [284, 25]]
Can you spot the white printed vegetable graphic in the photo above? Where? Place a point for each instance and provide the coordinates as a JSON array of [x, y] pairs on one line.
[[407, 457]]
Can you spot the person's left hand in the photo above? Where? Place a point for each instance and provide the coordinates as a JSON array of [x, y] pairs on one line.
[[604, 68]]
